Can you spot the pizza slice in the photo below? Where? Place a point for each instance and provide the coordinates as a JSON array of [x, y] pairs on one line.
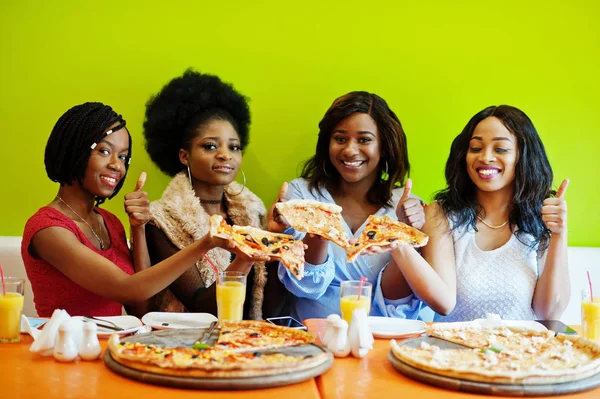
[[475, 336], [315, 217], [254, 241], [250, 335], [382, 231]]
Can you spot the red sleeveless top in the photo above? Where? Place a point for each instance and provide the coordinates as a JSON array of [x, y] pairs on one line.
[[51, 288]]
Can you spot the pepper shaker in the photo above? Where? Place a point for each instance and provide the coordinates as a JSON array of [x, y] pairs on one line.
[[65, 349], [90, 346]]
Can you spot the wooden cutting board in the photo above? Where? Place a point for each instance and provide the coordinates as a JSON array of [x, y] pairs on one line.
[[456, 384], [187, 337]]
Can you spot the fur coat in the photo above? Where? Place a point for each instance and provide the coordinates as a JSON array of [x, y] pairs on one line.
[[183, 220]]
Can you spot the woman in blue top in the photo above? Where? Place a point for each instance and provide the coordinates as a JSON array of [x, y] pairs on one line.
[[360, 160]]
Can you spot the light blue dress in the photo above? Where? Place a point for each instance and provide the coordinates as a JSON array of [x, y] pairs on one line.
[[318, 293]]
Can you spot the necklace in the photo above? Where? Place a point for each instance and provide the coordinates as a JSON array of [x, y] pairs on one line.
[[100, 240], [491, 226], [212, 202]]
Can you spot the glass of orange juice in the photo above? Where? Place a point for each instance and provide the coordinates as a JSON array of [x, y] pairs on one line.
[[590, 317], [349, 298], [11, 309], [231, 292]]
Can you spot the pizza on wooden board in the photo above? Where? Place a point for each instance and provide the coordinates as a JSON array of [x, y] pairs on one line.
[[254, 241], [382, 231], [315, 217], [236, 353], [503, 355]]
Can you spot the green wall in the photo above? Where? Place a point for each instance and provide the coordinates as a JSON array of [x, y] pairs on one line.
[[436, 64]]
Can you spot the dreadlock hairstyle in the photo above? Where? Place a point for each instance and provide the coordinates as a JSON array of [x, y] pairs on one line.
[[532, 183], [174, 115], [74, 136], [318, 170]]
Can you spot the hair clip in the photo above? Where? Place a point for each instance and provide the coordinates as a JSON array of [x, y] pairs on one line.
[[121, 125]]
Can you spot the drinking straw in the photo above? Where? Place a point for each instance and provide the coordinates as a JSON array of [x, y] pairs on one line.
[[590, 283], [3, 283], [215, 268], [360, 284]]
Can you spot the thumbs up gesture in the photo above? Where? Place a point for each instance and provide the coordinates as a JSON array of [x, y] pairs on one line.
[[137, 205], [409, 209], [554, 210], [276, 222]]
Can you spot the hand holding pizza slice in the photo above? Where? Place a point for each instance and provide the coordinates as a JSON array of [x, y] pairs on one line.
[[314, 217], [381, 231], [256, 242]]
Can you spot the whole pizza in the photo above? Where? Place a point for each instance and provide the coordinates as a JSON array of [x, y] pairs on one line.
[[243, 349], [504, 355]]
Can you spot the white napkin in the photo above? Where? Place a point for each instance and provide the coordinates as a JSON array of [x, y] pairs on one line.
[[44, 342]]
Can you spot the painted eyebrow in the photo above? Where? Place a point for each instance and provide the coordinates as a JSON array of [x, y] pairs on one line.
[[360, 132], [112, 146], [494, 139], [218, 138]]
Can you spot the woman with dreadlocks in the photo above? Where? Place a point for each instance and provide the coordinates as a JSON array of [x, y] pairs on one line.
[[75, 253], [196, 128]]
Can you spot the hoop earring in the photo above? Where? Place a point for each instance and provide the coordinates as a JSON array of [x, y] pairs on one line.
[[243, 184], [190, 176], [325, 170], [385, 176]]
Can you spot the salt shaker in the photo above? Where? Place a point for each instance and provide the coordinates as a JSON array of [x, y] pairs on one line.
[[329, 331], [90, 346], [338, 343], [65, 349]]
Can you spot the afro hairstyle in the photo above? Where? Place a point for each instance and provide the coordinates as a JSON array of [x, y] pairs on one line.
[[185, 103]]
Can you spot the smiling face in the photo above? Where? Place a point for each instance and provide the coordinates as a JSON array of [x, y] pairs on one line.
[[492, 156], [106, 166], [215, 154], [354, 148]]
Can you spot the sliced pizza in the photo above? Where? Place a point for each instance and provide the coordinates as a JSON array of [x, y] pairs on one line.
[[245, 335], [382, 231], [254, 241], [206, 363], [315, 217], [520, 357]]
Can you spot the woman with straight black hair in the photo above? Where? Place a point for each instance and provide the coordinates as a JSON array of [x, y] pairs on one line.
[[360, 163], [498, 232]]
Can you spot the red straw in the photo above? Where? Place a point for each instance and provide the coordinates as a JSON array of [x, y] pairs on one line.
[[360, 284], [590, 283], [215, 268], [3, 283]]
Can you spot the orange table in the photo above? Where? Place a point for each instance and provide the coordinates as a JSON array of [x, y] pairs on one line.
[[27, 375], [375, 377]]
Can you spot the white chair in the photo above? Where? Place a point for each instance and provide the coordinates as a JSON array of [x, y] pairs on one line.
[[12, 263]]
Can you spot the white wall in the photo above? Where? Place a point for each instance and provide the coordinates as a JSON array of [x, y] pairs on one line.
[[10, 259], [581, 260]]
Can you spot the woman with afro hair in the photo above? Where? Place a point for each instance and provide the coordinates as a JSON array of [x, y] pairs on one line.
[[196, 128]]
